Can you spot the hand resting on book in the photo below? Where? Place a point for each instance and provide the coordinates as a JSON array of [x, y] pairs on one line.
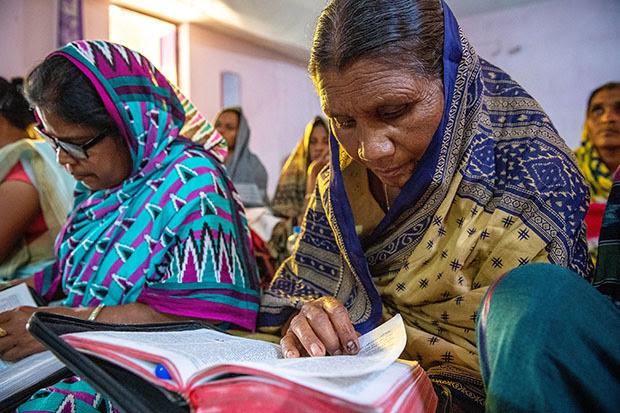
[[321, 327], [18, 343]]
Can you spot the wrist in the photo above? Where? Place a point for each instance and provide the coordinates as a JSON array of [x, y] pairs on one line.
[[95, 313]]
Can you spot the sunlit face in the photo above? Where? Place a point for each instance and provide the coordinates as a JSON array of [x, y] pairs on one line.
[[227, 124], [108, 164], [384, 117], [318, 144], [603, 120]]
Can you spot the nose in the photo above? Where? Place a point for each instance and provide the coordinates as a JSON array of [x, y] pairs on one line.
[[374, 145], [610, 115], [63, 158], [322, 146]]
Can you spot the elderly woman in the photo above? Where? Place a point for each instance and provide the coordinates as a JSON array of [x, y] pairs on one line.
[[156, 233], [444, 175], [298, 177], [244, 168], [35, 192], [599, 153]]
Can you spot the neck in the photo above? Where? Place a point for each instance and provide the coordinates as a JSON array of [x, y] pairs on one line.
[[611, 158], [10, 133], [229, 156], [383, 194]]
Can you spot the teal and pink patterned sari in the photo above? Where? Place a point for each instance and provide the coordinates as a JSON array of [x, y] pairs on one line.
[[172, 236]]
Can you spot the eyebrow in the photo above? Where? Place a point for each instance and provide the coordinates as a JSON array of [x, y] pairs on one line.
[[71, 139]]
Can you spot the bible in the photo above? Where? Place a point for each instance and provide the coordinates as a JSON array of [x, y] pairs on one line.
[[19, 380], [215, 371]]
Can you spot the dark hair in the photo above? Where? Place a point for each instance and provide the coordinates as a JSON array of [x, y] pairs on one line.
[[606, 86], [406, 33], [13, 105], [320, 121], [58, 86]]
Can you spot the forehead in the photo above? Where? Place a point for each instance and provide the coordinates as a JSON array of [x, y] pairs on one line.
[[366, 84], [229, 117], [606, 96], [318, 129], [56, 126]]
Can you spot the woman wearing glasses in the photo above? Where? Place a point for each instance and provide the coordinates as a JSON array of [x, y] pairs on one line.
[[156, 233], [35, 192]]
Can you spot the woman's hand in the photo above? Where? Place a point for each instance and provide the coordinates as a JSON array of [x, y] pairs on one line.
[[321, 327], [17, 343], [313, 171]]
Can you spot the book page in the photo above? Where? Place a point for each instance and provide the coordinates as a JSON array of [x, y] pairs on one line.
[[27, 372], [11, 298], [378, 349], [189, 351], [194, 351], [15, 296]]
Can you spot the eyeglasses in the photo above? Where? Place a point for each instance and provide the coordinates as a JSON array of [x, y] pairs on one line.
[[73, 150]]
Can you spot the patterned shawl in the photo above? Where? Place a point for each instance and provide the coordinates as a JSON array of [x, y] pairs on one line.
[[54, 187], [291, 190], [173, 234], [496, 188], [597, 175], [244, 168], [607, 273]]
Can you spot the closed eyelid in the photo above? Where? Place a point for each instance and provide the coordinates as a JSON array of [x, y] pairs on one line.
[[392, 109]]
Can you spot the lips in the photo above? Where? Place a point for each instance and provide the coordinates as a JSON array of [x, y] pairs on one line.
[[611, 131], [80, 177], [387, 172]]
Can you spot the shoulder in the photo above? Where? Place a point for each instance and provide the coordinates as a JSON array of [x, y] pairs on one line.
[[17, 173], [518, 139], [193, 162]]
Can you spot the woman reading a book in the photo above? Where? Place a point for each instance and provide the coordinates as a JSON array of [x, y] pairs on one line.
[[444, 175], [156, 232]]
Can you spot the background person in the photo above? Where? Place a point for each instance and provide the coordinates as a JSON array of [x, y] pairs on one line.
[[298, 176], [599, 153], [244, 168], [35, 192]]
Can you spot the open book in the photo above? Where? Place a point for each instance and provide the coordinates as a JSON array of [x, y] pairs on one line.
[[27, 373], [214, 370]]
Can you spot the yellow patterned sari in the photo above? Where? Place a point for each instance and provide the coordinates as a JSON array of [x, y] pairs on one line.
[[497, 188]]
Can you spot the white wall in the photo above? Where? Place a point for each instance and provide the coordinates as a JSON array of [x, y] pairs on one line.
[[558, 50], [277, 95], [28, 31], [27, 34]]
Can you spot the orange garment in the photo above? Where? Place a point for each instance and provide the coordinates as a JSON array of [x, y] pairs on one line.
[[37, 227]]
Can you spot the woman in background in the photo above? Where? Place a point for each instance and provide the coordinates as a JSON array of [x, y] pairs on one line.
[[244, 168], [599, 153], [298, 176], [35, 192]]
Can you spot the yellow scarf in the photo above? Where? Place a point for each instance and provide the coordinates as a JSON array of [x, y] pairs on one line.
[[593, 169]]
